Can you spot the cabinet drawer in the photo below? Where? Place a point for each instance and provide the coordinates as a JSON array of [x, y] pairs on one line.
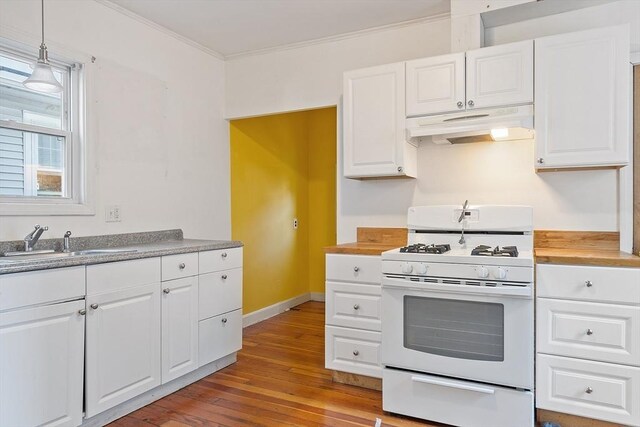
[[605, 332], [442, 399], [40, 287], [219, 336], [115, 276], [589, 389], [220, 292], [354, 306], [600, 284], [180, 265], [352, 350], [354, 268], [223, 259]]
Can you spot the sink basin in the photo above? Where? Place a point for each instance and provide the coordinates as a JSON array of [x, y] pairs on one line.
[[49, 255]]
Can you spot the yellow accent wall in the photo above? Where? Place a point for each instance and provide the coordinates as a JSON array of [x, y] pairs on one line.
[[283, 167]]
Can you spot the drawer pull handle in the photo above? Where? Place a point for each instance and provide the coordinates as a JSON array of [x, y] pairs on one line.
[[588, 283], [356, 269], [356, 352], [356, 306], [224, 320], [182, 265], [94, 306], [166, 290], [224, 277], [589, 331], [224, 254], [589, 390], [82, 312], [451, 384]]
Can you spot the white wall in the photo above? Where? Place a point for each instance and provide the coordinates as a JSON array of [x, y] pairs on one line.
[[158, 138], [501, 173]]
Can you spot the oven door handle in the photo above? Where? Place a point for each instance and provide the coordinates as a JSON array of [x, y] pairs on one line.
[[443, 383], [507, 291]]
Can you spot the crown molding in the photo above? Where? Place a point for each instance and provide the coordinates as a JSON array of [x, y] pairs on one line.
[[338, 37], [160, 28]]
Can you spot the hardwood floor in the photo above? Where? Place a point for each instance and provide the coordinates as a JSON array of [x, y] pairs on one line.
[[279, 380]]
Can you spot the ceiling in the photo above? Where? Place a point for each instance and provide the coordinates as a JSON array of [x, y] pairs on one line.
[[230, 27]]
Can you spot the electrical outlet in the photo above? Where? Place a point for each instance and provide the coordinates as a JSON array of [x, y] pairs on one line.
[[112, 214], [295, 223]]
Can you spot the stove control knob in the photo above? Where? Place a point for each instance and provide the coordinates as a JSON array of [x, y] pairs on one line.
[[407, 268], [483, 273], [421, 269], [501, 273]]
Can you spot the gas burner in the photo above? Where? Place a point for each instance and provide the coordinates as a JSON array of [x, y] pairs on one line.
[[421, 248], [505, 251]]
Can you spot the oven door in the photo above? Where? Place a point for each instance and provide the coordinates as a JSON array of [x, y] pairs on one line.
[[481, 334]]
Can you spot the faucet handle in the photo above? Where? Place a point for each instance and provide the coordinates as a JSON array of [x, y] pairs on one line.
[[67, 234], [45, 228], [37, 226]]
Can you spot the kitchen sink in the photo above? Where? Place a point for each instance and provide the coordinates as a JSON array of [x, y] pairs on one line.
[[21, 257]]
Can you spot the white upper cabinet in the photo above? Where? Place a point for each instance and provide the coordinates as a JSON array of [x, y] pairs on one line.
[[435, 85], [373, 123], [500, 75], [582, 92]]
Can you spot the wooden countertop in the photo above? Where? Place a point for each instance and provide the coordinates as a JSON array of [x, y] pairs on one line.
[[608, 258], [359, 248]]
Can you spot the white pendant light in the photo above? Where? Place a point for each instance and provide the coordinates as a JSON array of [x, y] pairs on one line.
[[42, 78]]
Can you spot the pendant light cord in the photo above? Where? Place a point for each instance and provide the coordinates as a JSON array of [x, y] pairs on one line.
[[42, 9]]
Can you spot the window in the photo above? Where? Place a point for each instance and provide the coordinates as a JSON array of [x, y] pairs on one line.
[[41, 147]]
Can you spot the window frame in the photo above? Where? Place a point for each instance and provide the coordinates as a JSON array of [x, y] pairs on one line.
[[76, 200]]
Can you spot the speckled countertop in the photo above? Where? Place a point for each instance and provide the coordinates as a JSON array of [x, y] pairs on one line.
[[147, 245]]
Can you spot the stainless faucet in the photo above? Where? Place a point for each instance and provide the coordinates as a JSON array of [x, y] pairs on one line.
[[32, 238], [462, 241], [66, 244]]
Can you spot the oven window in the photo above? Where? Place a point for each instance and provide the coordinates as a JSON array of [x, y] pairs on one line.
[[454, 328]]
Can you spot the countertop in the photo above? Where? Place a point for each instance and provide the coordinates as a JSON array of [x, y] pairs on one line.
[[594, 257], [359, 248], [144, 250]]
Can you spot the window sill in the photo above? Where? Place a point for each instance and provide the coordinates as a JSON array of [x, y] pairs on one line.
[[44, 208]]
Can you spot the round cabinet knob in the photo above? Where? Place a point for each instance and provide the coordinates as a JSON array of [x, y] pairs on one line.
[[82, 312], [182, 265], [588, 283], [589, 331], [356, 306], [470, 103], [166, 290], [589, 390], [356, 352], [483, 272], [224, 277], [224, 320], [407, 268], [540, 160], [501, 273], [400, 169], [94, 306], [356, 269], [223, 255], [460, 104], [421, 269]]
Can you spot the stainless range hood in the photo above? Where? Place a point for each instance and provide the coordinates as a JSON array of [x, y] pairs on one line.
[[481, 125]]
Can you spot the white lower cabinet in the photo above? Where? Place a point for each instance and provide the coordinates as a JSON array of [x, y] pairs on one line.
[[123, 346], [588, 342], [220, 336], [41, 365], [179, 327], [353, 314]]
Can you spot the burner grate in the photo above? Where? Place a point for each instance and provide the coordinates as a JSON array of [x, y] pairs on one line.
[[505, 251], [421, 248]]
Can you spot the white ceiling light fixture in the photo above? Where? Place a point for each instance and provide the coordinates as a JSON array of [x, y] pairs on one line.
[[42, 78]]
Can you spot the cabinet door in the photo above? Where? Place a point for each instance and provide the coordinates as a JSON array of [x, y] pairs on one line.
[[123, 346], [500, 75], [582, 99], [41, 365], [374, 115], [179, 327], [435, 85]]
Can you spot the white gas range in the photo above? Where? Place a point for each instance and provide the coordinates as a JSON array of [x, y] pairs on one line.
[[457, 326]]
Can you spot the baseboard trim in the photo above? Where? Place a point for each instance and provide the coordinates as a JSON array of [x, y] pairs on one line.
[[317, 296], [159, 392], [273, 310]]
